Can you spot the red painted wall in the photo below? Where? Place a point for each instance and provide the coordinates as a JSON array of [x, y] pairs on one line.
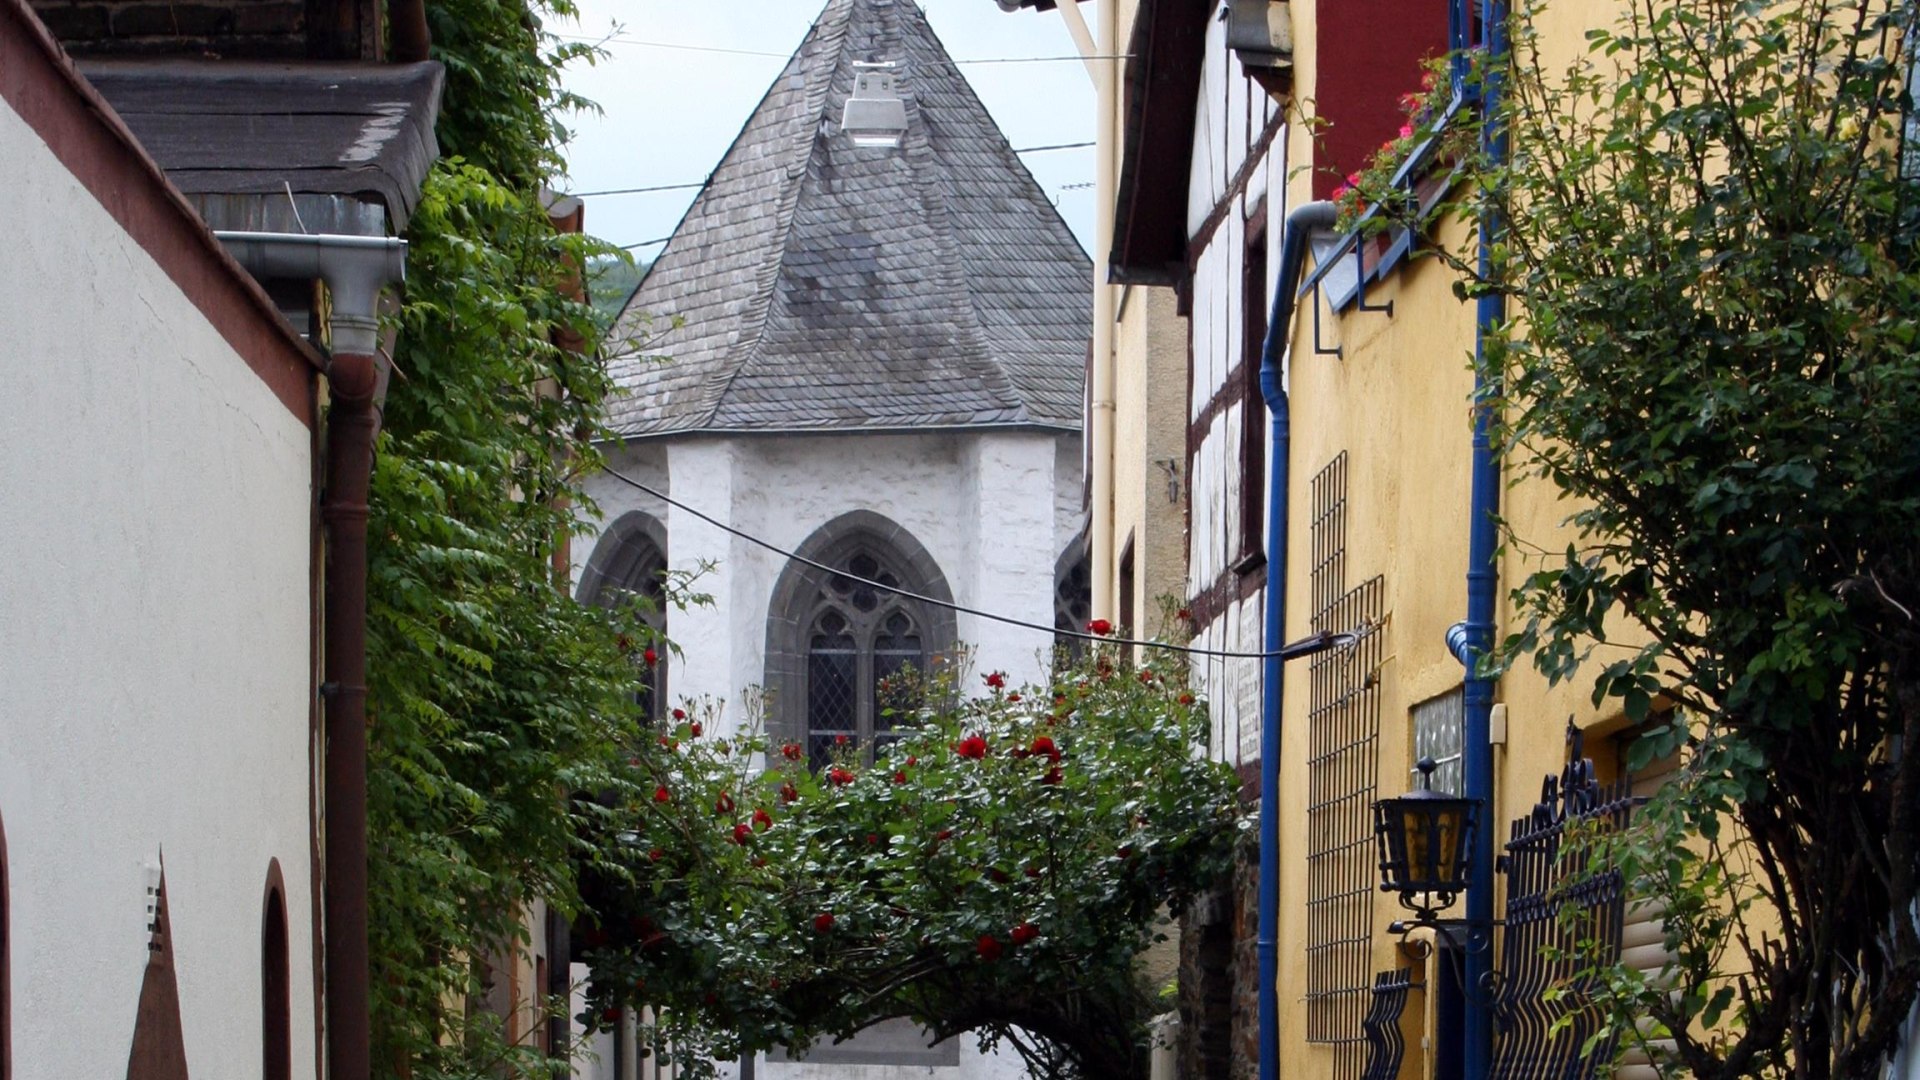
[[1368, 54]]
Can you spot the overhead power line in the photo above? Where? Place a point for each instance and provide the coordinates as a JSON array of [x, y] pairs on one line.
[[1305, 647], [622, 39]]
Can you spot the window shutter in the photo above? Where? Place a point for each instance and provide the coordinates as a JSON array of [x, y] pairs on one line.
[[1642, 941]]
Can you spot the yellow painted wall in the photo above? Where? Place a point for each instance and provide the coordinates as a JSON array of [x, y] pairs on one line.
[[1150, 402], [1398, 404]]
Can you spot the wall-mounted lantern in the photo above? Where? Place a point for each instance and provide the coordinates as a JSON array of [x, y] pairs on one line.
[[1426, 838], [1260, 33], [875, 116]]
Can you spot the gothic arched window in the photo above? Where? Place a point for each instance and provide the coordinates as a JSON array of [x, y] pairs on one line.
[[840, 649], [1072, 599], [630, 563]]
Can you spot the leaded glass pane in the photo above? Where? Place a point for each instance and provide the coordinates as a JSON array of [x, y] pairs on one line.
[[1439, 728], [833, 706], [897, 657]]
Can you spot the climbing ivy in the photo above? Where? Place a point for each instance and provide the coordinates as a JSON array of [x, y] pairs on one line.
[[492, 693]]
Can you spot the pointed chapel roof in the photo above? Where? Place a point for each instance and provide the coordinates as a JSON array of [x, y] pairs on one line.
[[816, 286]]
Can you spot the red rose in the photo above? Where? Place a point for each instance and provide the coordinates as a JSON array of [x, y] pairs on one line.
[[1146, 676], [788, 793], [696, 731], [742, 833], [1024, 933], [900, 776], [791, 751], [912, 761], [661, 794], [1099, 626], [1123, 852], [823, 922], [650, 656], [611, 1014], [873, 838], [999, 876], [988, 947], [839, 740], [1052, 777], [1186, 699], [1033, 871], [656, 855], [1015, 698], [1184, 615], [724, 804], [996, 679], [973, 746], [839, 775], [679, 714], [761, 819], [943, 834], [1043, 744]]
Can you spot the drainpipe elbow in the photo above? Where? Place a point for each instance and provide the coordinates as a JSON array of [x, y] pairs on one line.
[[1460, 644]]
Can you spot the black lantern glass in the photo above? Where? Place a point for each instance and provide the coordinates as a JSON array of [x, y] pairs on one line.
[[1425, 839]]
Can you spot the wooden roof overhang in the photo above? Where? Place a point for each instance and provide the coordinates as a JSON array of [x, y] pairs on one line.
[[1168, 49]]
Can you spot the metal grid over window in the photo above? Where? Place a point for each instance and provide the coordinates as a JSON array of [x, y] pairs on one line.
[[1343, 721]]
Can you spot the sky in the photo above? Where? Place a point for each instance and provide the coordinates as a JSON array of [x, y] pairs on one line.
[[670, 113]]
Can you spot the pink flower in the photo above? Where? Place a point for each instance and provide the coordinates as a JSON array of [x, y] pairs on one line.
[[1406, 131]]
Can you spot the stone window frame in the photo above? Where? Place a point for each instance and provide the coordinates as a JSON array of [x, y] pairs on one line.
[[620, 558], [794, 604]]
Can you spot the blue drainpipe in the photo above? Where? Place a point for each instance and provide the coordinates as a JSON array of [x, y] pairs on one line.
[[1293, 253], [1473, 638]]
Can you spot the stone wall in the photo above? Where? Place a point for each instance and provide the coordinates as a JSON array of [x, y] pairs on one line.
[[1219, 987]]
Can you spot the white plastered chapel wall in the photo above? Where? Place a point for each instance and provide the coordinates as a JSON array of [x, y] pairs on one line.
[[154, 654], [995, 510]]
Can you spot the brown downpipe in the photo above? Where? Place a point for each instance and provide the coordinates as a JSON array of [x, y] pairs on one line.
[[352, 420], [408, 39]]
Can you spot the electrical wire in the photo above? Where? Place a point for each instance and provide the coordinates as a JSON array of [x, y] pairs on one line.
[[1304, 647], [622, 39]]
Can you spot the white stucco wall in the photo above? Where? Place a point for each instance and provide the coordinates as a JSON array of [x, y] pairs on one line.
[[993, 509], [154, 654]]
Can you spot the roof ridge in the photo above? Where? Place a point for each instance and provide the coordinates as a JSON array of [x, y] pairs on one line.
[[741, 351]]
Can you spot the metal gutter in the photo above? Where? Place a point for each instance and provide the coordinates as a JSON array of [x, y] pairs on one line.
[[1476, 636], [1300, 224], [356, 269]]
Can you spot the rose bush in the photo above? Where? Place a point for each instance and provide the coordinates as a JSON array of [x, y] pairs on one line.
[[996, 869]]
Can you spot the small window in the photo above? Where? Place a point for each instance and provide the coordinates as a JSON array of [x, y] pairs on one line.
[[1439, 732], [630, 564]]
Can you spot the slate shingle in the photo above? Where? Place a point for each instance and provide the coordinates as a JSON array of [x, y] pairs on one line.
[[813, 285]]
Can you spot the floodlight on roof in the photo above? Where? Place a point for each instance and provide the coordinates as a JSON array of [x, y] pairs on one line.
[[875, 115]]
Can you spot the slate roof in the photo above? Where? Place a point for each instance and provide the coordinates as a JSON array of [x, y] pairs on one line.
[[262, 128], [821, 287]]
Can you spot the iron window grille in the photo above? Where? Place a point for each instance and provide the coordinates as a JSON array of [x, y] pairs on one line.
[[1343, 721]]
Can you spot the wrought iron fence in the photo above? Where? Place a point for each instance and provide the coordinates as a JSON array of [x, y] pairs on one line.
[[1563, 920]]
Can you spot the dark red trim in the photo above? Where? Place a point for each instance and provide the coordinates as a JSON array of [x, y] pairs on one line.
[[40, 83], [1234, 584], [6, 984], [276, 980], [159, 1050]]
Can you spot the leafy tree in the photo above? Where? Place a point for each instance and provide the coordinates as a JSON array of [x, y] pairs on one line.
[[996, 870], [492, 693], [1707, 224]]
